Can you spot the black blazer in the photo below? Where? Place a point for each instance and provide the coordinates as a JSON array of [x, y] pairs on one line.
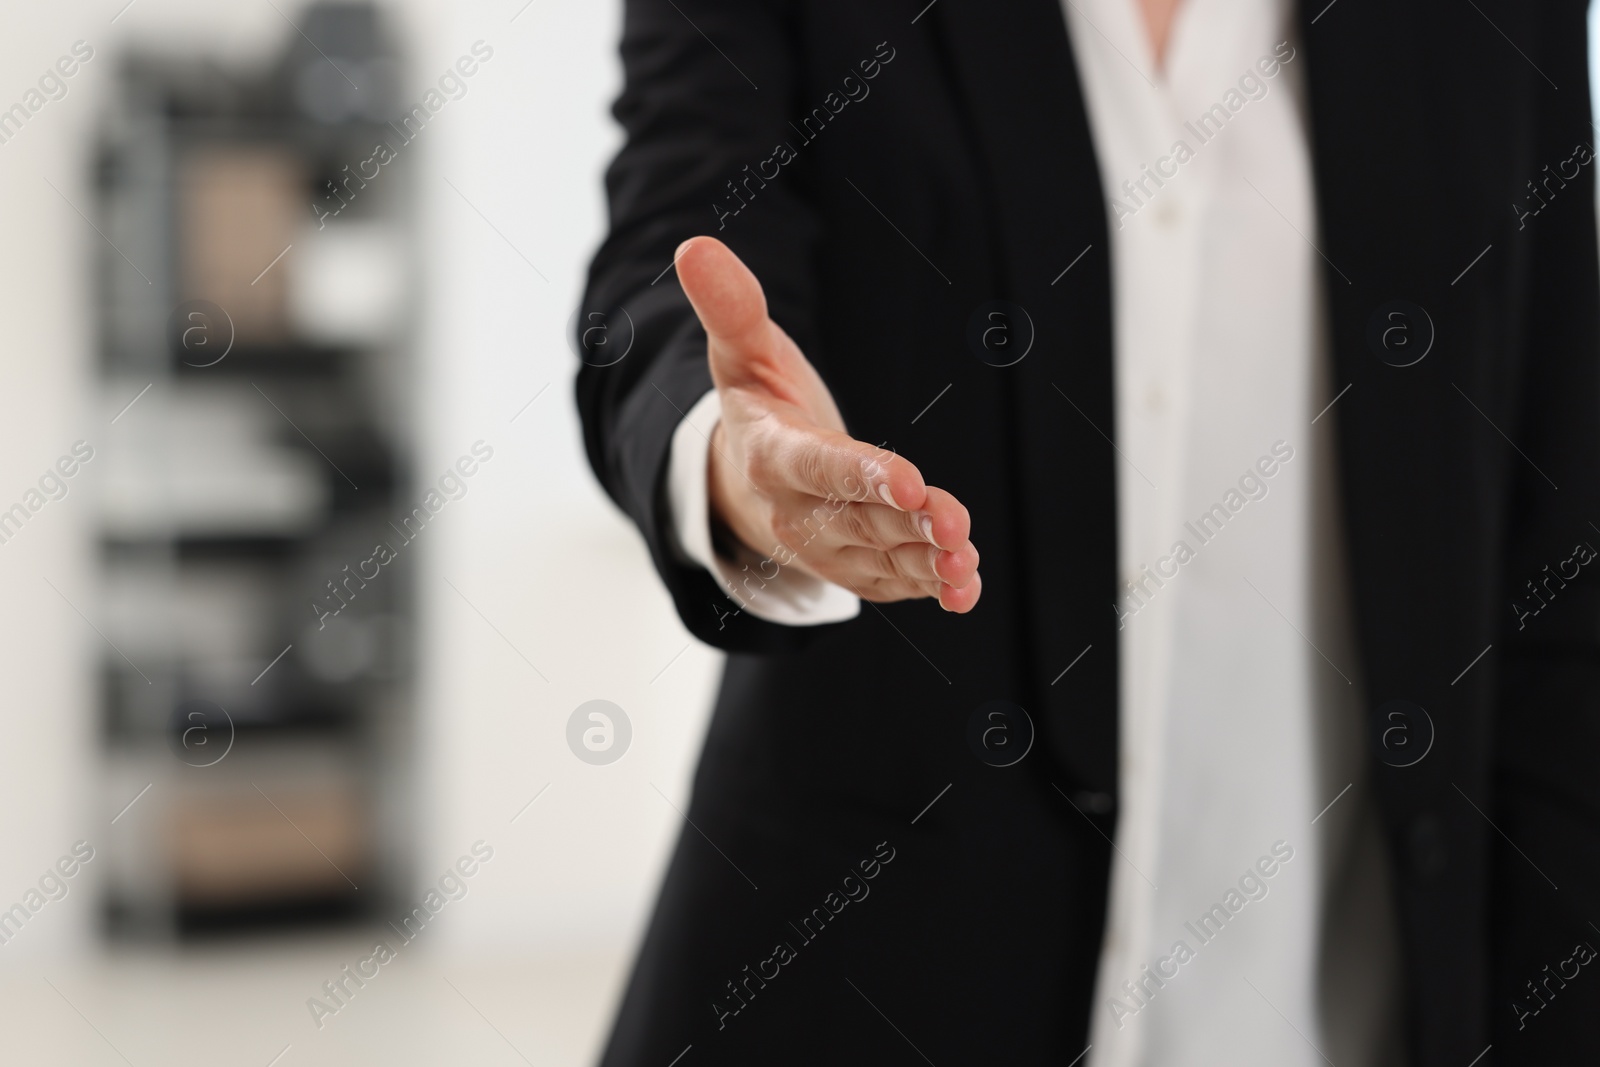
[[963, 174]]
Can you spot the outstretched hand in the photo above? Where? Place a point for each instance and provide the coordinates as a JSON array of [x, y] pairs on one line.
[[782, 471]]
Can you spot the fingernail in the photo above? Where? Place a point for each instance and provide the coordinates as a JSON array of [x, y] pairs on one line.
[[888, 496], [925, 524]]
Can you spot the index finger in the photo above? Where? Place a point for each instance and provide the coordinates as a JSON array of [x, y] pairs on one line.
[[827, 463]]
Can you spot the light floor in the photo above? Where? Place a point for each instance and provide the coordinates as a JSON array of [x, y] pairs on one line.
[[245, 1006]]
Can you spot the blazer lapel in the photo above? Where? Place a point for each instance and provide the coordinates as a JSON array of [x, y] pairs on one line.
[[1014, 67]]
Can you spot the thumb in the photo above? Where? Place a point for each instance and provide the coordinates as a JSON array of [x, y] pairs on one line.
[[731, 306]]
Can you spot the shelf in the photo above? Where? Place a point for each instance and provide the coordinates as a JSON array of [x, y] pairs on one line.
[[229, 494]]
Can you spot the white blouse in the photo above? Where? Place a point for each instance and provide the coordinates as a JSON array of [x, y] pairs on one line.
[[1249, 921]]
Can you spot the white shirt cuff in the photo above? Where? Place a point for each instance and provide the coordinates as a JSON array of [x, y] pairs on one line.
[[753, 581]]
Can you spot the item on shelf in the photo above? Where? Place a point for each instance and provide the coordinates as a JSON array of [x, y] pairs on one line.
[[239, 207]]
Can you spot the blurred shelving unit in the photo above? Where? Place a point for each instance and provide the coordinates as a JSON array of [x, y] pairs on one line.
[[269, 449]]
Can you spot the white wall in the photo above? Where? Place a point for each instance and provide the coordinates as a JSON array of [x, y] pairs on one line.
[[46, 758], [537, 548], [534, 546]]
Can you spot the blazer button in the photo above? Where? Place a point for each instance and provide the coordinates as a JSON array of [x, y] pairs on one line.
[[1428, 853], [1095, 803]]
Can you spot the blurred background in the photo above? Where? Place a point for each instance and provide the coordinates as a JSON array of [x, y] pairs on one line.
[[244, 345], [307, 588]]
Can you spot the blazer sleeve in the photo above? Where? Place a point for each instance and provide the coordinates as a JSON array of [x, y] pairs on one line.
[[1546, 740], [708, 88]]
